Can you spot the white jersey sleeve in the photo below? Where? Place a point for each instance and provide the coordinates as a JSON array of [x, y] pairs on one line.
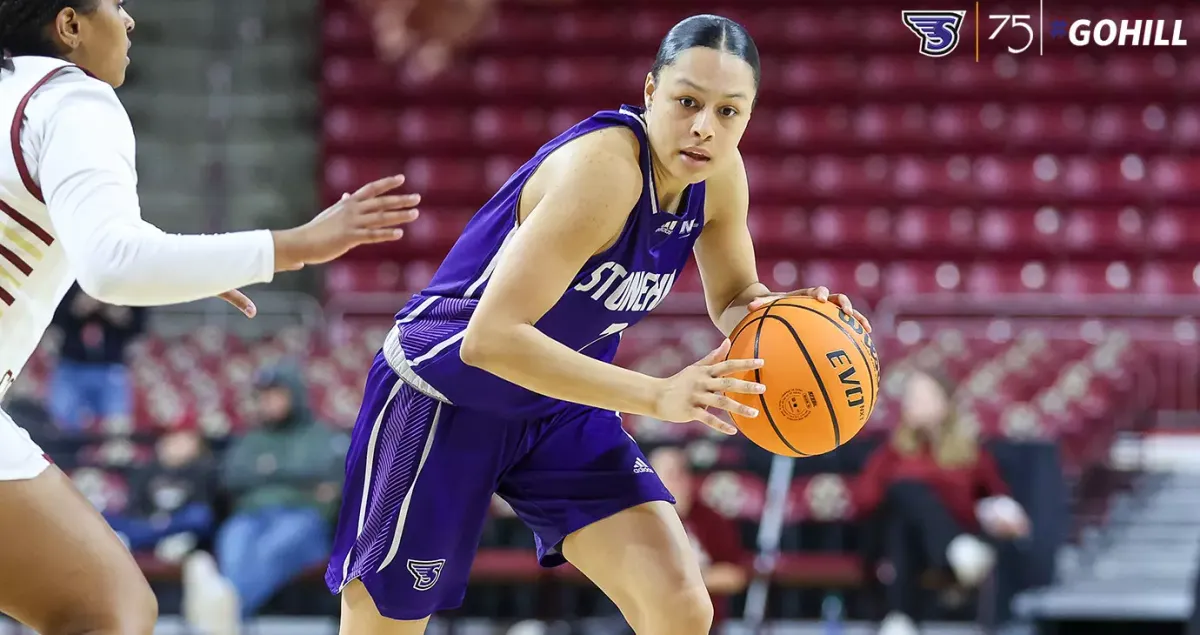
[[79, 145]]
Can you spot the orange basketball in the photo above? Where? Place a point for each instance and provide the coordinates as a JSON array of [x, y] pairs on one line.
[[821, 372]]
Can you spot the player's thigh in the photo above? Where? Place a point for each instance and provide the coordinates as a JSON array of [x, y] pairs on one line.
[[643, 560], [62, 569], [417, 497], [582, 467], [360, 617], [589, 494]]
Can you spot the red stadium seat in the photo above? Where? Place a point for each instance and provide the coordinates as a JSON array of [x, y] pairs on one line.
[[1184, 128], [1174, 230], [1173, 278], [1088, 230], [505, 128], [524, 75], [966, 125], [840, 226]]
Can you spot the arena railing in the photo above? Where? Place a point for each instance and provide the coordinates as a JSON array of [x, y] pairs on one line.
[[276, 310]]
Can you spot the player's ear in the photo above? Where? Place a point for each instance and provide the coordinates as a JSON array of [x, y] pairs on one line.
[[66, 24], [649, 90]]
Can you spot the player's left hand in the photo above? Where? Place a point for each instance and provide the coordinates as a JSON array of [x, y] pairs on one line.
[[240, 302], [821, 294]]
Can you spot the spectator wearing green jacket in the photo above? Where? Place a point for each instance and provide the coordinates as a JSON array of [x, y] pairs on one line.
[[284, 477]]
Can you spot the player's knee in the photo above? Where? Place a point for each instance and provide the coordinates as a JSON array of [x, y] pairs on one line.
[[136, 613], [144, 615], [689, 611]]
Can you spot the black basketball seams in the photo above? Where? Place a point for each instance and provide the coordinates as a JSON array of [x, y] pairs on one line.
[[765, 409], [850, 336], [837, 430]]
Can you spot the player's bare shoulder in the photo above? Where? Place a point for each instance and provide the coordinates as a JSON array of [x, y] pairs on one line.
[[606, 162], [727, 192]]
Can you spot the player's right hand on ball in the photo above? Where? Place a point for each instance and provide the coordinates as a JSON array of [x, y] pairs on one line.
[[689, 394], [370, 215]]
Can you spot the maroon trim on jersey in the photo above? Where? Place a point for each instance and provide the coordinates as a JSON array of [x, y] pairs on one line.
[[15, 136], [15, 260], [6, 297], [24, 221]]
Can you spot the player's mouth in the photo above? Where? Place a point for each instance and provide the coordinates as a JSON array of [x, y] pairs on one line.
[[695, 157]]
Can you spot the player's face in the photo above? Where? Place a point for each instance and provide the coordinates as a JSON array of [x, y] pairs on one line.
[[99, 41], [697, 112]]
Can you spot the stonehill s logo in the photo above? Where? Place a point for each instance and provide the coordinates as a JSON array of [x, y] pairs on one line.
[[938, 30], [425, 572]]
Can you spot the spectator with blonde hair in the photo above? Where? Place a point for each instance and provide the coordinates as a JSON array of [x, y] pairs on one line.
[[933, 493]]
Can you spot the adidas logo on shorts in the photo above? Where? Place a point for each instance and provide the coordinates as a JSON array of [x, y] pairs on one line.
[[640, 467]]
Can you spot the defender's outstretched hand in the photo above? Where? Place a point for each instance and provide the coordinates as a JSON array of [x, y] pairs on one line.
[[369, 215], [240, 302]]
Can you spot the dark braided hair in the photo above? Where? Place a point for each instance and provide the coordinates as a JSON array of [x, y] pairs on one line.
[[23, 26]]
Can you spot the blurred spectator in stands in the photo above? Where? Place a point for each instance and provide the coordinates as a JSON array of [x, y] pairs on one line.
[[284, 478], [718, 545], [91, 378], [170, 509], [428, 32], [929, 493]]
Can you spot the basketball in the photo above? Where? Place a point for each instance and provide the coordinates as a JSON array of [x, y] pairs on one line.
[[821, 372]]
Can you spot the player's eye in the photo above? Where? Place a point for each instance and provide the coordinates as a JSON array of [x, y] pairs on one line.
[[729, 111], [687, 102]]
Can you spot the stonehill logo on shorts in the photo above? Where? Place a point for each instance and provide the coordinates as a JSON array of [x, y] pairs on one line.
[[425, 572]]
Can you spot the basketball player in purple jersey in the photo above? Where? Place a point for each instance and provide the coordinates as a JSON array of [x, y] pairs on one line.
[[497, 378]]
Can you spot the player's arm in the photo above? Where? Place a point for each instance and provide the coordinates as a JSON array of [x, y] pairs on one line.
[[86, 170], [85, 158], [586, 205], [725, 252], [725, 255], [592, 190]]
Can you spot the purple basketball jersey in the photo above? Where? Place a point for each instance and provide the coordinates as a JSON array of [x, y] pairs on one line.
[[613, 291]]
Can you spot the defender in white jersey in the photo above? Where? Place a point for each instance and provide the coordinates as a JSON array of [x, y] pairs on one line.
[[69, 210]]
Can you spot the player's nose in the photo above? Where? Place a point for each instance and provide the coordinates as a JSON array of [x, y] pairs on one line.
[[702, 125]]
